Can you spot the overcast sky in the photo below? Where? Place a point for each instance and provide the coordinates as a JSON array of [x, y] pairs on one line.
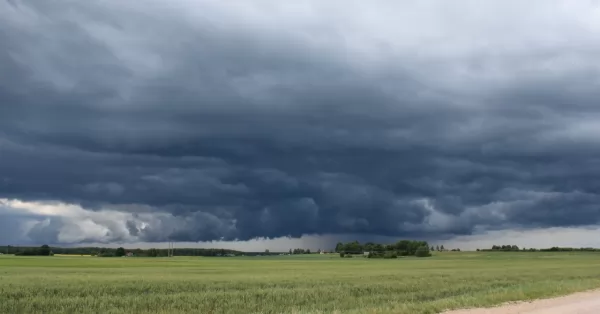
[[306, 122]]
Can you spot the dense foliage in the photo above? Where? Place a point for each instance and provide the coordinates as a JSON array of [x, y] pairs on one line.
[[44, 250], [423, 252], [375, 250]]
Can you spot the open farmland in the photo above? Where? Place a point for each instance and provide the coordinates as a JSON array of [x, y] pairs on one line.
[[288, 284]]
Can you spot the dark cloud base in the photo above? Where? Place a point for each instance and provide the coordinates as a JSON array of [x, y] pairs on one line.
[[218, 132]]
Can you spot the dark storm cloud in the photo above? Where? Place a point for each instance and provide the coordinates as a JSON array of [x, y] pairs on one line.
[[202, 122]]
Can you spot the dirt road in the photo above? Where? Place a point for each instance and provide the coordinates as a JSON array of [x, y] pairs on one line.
[[579, 303]]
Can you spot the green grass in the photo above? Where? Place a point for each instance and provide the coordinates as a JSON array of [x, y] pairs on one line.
[[288, 284]]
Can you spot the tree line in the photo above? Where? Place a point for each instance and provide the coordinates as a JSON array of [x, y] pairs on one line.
[[515, 248], [299, 251], [46, 250], [43, 250], [375, 250], [154, 252]]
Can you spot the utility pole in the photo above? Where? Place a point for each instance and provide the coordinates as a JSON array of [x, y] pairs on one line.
[[171, 249]]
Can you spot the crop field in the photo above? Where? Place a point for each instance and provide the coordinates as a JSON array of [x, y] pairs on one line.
[[288, 284]]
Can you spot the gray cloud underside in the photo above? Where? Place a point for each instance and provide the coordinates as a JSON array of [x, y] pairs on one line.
[[209, 121]]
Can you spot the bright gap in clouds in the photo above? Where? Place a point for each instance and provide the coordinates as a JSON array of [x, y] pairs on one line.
[[72, 225]]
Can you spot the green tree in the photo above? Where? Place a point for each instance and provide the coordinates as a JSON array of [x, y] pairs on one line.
[[442, 248], [45, 250], [437, 248], [267, 251], [153, 252], [120, 252], [423, 252]]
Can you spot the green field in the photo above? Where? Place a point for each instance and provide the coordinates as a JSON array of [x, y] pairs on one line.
[[288, 284]]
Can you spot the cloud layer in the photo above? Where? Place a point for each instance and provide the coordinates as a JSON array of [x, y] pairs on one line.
[[200, 121]]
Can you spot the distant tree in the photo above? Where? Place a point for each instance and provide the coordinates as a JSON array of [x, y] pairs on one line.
[[153, 252], [353, 247], [437, 248], [120, 252], [339, 247], [342, 254], [442, 248], [432, 249], [390, 254], [423, 252], [267, 251], [307, 251], [45, 250], [291, 252]]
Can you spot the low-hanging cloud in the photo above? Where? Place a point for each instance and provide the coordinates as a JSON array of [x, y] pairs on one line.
[[202, 121]]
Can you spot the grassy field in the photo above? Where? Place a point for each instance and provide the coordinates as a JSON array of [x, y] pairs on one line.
[[288, 284]]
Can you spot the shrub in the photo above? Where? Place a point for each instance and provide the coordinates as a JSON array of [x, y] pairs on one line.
[[120, 252], [375, 255], [342, 254], [423, 252], [390, 255]]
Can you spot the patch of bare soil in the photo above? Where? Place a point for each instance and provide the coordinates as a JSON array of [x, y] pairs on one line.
[[578, 303]]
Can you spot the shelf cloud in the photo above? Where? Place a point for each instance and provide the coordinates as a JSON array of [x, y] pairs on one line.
[[204, 121]]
